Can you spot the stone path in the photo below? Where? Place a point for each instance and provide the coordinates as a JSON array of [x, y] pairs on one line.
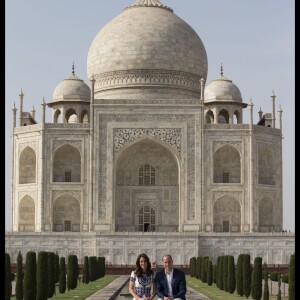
[[113, 289]]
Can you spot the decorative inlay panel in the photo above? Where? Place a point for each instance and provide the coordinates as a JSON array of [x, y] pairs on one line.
[[265, 194], [32, 145], [75, 143], [236, 144], [235, 194], [125, 136], [32, 194], [76, 194]]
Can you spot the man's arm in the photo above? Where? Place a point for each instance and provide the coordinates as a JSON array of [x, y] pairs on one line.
[[159, 285], [182, 285]]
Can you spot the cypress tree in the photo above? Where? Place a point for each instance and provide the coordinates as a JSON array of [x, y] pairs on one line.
[[193, 262], [231, 282], [62, 275], [51, 274], [246, 275], [86, 270], [42, 276], [72, 272], [256, 279], [209, 276], [7, 277], [239, 275], [204, 268], [20, 275], [220, 273], [217, 270], [292, 277], [30, 283], [56, 267], [198, 267], [225, 273], [266, 284]]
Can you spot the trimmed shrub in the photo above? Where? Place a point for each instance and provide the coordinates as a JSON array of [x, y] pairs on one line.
[[209, 276], [20, 276], [256, 279], [51, 274], [225, 273], [86, 270], [72, 272], [62, 275], [42, 276], [246, 275], [239, 275], [292, 277], [266, 285], [30, 283], [285, 278], [274, 276], [7, 277], [231, 282]]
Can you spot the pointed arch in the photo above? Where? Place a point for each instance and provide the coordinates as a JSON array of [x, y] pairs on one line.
[[223, 116], [67, 164], [209, 117], [27, 214], [146, 178], [27, 166], [66, 213], [227, 165], [227, 214], [266, 167], [266, 215]]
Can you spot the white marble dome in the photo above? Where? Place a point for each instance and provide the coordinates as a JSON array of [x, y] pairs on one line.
[[222, 89], [72, 89], [147, 46]]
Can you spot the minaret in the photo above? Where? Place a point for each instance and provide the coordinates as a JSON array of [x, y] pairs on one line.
[[260, 113], [202, 164], [273, 109], [251, 170], [21, 106], [280, 117], [14, 116], [33, 112]]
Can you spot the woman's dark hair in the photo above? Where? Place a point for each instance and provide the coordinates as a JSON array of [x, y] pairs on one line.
[[139, 270]]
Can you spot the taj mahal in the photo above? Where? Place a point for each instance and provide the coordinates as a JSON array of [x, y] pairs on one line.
[[147, 156]]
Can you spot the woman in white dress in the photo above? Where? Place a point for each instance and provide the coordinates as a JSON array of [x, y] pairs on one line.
[[141, 283]]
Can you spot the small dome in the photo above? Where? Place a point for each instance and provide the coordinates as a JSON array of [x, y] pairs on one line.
[[72, 89], [222, 89]]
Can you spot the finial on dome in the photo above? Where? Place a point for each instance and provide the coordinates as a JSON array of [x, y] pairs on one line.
[[73, 69], [221, 69], [149, 3]]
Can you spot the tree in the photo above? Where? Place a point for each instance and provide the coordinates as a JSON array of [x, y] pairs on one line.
[[256, 279], [62, 275], [266, 284], [72, 272], [292, 277], [231, 282], [51, 274], [56, 267], [246, 275], [225, 273], [20, 276], [42, 276], [7, 277], [30, 283], [209, 276], [86, 270], [239, 275], [220, 274]]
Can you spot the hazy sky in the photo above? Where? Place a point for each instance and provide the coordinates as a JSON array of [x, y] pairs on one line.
[[253, 39]]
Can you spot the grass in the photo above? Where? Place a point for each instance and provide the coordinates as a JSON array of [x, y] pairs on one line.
[[83, 290], [215, 293]]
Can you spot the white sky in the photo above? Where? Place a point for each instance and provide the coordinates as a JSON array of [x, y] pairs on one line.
[[253, 39]]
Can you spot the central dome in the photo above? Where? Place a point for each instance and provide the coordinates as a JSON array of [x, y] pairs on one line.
[[147, 47]]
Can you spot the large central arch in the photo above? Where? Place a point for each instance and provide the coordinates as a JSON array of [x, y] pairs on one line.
[[146, 188]]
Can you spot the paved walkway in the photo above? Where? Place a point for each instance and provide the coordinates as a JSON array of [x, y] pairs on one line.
[[113, 289]]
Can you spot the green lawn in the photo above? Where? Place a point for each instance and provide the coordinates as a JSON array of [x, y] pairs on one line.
[[83, 290], [215, 293]]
